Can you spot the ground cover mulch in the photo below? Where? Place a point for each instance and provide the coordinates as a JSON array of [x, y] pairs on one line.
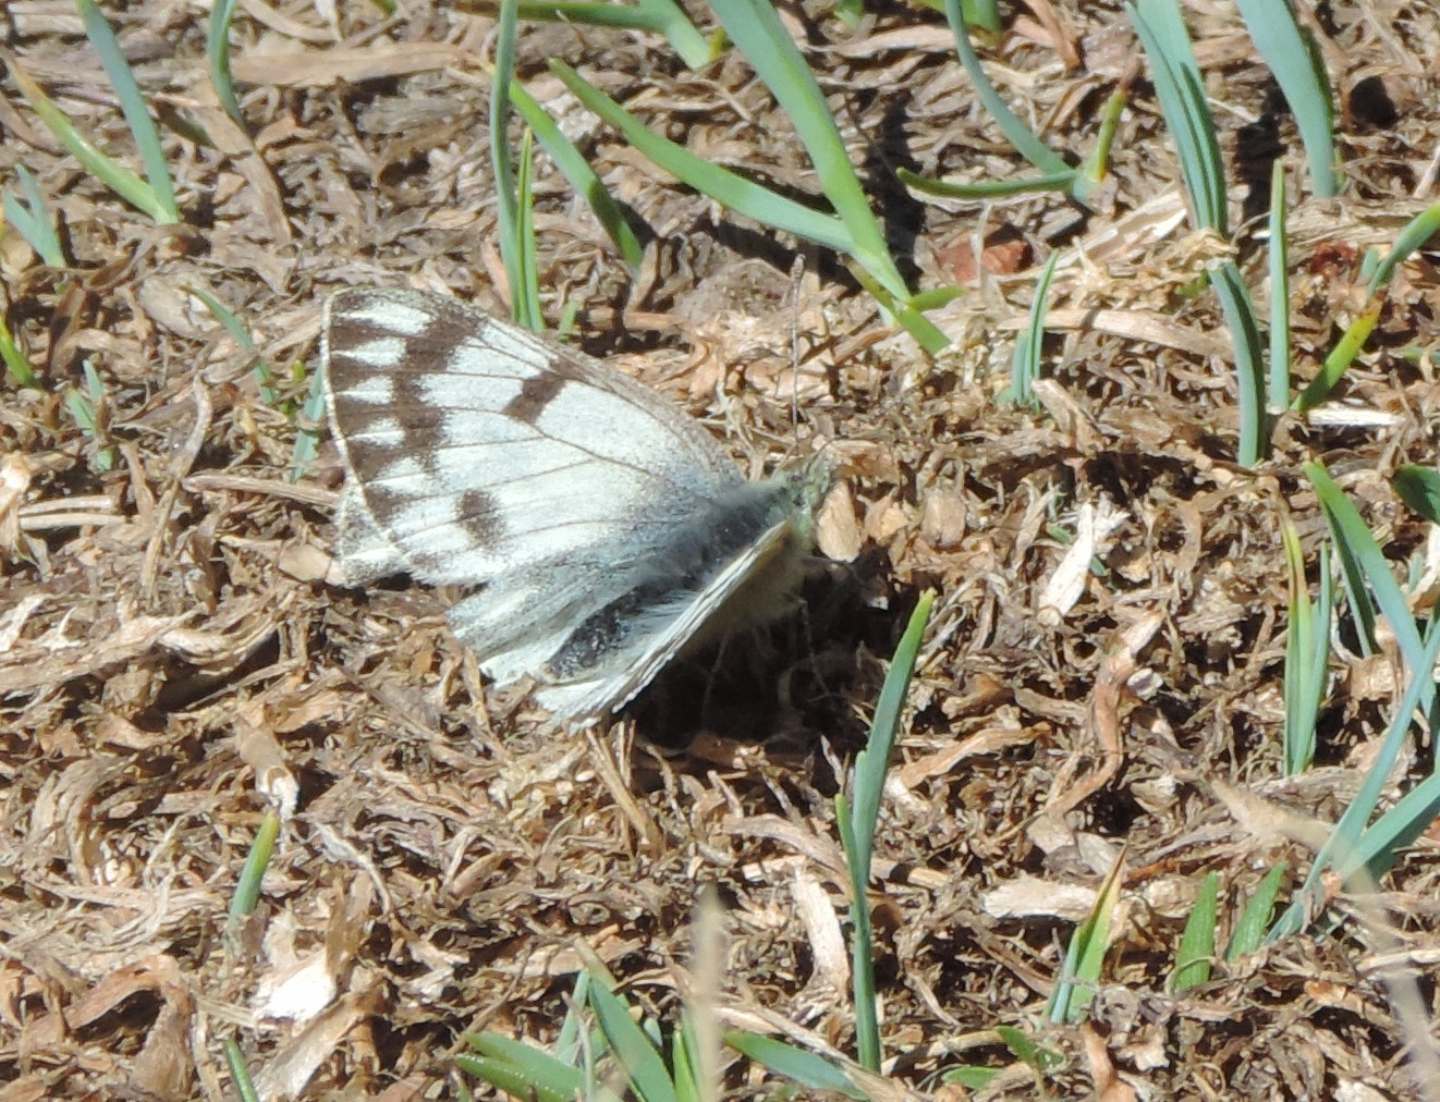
[[174, 662]]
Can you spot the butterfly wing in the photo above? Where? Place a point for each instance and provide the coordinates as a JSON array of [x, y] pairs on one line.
[[605, 528], [766, 564], [479, 451]]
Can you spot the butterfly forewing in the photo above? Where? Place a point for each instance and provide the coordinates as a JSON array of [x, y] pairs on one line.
[[478, 449]]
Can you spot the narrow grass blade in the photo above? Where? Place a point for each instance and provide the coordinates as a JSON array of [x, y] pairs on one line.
[[1196, 954], [632, 1047], [727, 188], [857, 827], [1180, 88], [1025, 363], [582, 177], [1419, 488], [755, 28], [1279, 295], [1080, 975], [32, 219], [1355, 543], [307, 436], [874, 760], [1097, 164], [1380, 846], [907, 312], [1341, 356], [529, 262], [1249, 932], [662, 17], [1239, 313], [1416, 233], [970, 1076], [568, 1044], [1291, 56], [1307, 654], [507, 209], [988, 189], [104, 168], [1016, 132], [521, 1070], [537, 1067], [132, 103], [1344, 843], [240, 1080], [16, 362], [269, 394], [247, 887], [1038, 1058], [809, 1070], [850, 12], [217, 53]]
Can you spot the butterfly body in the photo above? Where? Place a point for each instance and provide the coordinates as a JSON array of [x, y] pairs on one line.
[[606, 530]]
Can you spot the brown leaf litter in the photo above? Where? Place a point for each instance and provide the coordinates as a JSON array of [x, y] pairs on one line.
[[175, 658]]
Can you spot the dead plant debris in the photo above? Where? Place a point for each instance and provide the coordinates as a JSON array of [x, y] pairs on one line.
[[173, 660]]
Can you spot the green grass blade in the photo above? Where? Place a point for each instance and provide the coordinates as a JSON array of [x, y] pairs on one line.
[[1291, 56], [857, 826], [1249, 932], [809, 1070], [1279, 295], [1416, 233], [1419, 488], [522, 1068], [1097, 164], [874, 761], [1196, 955], [727, 188], [1025, 363], [1354, 541], [1239, 313], [755, 28], [1341, 357], [529, 261], [582, 177], [247, 887], [662, 17], [217, 54], [1380, 846], [307, 436], [269, 394], [1344, 843], [989, 189], [507, 203], [1038, 1058], [104, 168], [32, 219], [1016, 132], [1307, 653], [240, 1080], [649, 1077], [132, 103], [1080, 974], [1180, 88], [16, 362]]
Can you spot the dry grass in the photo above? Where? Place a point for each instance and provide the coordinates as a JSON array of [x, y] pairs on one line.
[[172, 662]]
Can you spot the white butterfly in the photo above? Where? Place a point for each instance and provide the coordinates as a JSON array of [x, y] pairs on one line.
[[607, 530]]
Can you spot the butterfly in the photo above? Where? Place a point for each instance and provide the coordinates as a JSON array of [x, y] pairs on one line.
[[604, 529]]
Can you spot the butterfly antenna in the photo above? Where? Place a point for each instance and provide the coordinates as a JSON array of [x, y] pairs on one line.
[[797, 277]]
